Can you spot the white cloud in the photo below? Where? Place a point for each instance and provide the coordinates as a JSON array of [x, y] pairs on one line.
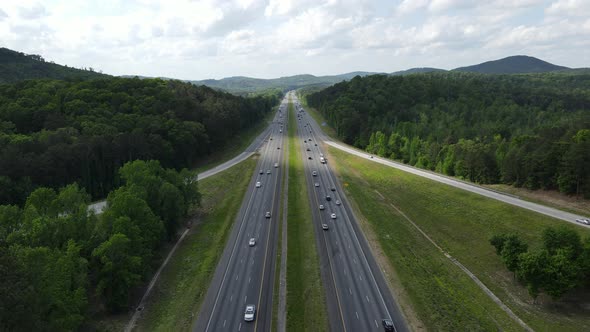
[[267, 38], [569, 8]]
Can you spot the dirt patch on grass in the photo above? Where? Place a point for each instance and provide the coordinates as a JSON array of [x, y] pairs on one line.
[[576, 204]]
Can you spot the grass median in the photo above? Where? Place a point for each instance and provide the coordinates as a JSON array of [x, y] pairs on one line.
[[441, 295], [306, 303], [176, 298]]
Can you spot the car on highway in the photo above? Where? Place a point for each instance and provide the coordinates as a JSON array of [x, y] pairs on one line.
[[250, 313], [308, 149], [333, 188], [278, 147], [252, 242], [337, 202], [333, 216], [309, 139], [583, 221], [267, 215], [316, 144], [276, 165], [314, 173], [271, 138], [261, 172], [388, 325], [268, 171], [321, 207], [304, 141], [280, 131], [309, 158], [328, 198], [316, 184], [258, 184], [325, 227]]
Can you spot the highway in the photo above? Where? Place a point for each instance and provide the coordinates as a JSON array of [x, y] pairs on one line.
[[245, 274], [358, 296]]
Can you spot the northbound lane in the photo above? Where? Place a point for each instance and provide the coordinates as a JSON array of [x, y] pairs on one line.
[[358, 296], [245, 274]]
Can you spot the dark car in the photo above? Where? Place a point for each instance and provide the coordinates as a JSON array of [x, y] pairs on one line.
[[333, 189], [388, 325], [328, 198]]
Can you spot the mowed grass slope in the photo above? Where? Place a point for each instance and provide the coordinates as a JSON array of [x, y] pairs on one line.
[[442, 296], [176, 298], [306, 303]]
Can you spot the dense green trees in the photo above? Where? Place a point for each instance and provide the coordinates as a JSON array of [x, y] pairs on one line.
[[55, 255], [559, 266], [53, 133], [526, 130]]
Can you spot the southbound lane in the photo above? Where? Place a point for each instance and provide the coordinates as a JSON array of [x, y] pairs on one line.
[[362, 298]]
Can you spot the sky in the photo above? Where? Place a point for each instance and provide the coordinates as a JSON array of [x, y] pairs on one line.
[[200, 39]]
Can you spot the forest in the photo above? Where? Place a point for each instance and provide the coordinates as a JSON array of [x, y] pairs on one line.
[[60, 264], [561, 264], [529, 130], [54, 133]]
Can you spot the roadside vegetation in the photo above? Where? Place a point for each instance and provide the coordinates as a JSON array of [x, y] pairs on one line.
[[306, 303], [239, 144], [462, 223], [529, 131], [176, 298], [62, 265]]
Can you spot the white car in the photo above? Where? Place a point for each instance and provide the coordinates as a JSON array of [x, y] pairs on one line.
[[258, 184], [316, 184], [337, 202], [276, 165], [267, 215], [321, 207], [314, 173], [250, 313], [325, 227], [333, 216], [583, 221], [268, 171], [252, 242]]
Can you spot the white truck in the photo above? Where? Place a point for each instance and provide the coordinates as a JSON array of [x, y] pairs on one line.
[[322, 160]]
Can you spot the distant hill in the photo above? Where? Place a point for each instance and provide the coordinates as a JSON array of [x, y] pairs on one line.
[[416, 71], [241, 84], [16, 66], [518, 64]]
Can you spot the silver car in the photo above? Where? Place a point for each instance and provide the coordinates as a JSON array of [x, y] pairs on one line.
[[250, 313]]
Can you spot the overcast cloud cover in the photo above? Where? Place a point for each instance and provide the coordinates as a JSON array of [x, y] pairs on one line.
[[270, 38]]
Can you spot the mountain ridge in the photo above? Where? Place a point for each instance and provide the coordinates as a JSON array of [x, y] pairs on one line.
[[17, 66], [516, 64]]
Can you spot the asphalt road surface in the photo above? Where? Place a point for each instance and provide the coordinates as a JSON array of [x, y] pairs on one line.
[[358, 296], [245, 274]]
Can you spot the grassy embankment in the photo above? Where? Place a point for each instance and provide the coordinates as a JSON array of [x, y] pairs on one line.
[[176, 298], [306, 303], [441, 295]]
